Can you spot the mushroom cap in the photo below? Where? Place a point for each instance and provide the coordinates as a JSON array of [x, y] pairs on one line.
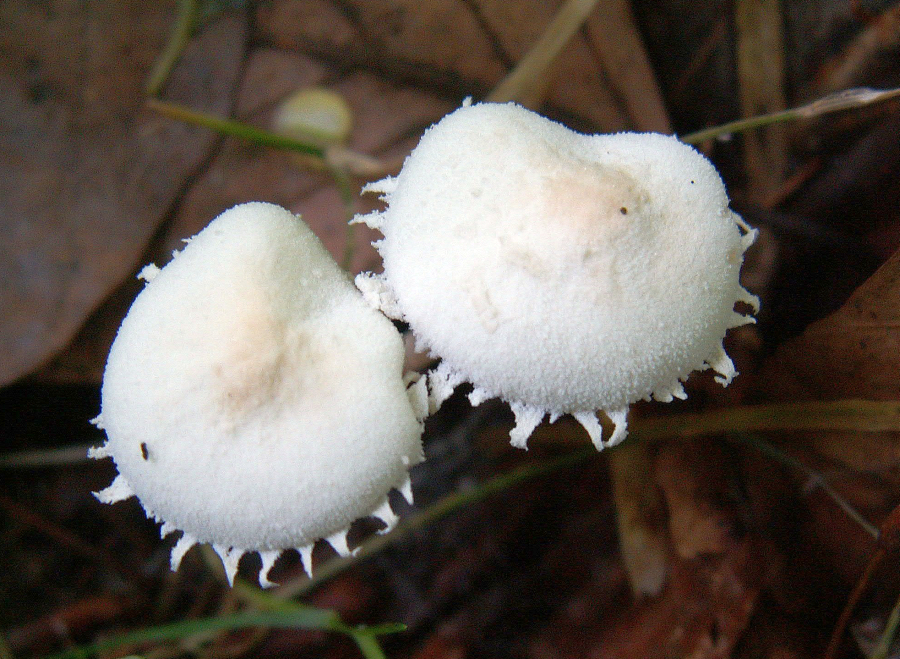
[[562, 272], [252, 399]]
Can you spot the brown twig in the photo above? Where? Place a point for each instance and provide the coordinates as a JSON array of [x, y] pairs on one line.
[[888, 541], [525, 83]]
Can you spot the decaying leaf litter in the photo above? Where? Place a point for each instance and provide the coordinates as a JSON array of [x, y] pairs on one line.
[[753, 555]]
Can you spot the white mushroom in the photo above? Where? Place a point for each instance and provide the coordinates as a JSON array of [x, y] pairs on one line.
[[564, 273], [252, 399]]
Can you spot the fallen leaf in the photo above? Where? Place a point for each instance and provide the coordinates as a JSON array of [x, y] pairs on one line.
[[691, 475], [466, 47], [853, 353], [702, 613], [87, 175]]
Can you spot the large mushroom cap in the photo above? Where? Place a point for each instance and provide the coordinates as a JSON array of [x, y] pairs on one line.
[[564, 273], [252, 399]]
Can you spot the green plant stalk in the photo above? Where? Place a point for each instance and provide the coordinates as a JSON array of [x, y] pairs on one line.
[[345, 190], [314, 619], [233, 128], [369, 646], [299, 617], [883, 649], [844, 100], [364, 637], [185, 22]]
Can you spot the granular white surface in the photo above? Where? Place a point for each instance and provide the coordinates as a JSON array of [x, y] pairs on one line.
[[564, 273], [252, 399]]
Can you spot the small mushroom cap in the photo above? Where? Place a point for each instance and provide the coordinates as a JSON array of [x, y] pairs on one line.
[[565, 273], [252, 399]]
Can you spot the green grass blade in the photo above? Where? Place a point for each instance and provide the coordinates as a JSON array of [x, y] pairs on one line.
[[369, 646], [233, 128], [185, 22], [296, 618], [886, 642]]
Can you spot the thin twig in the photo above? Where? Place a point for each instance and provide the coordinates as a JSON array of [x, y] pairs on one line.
[[773, 452], [841, 626], [520, 84], [185, 22], [40, 458], [858, 415], [845, 100], [888, 541], [233, 128]]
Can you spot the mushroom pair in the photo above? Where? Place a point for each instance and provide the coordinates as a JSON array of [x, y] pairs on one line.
[[255, 400]]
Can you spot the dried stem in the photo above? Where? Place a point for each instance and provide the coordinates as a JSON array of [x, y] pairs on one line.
[[768, 449], [185, 22], [845, 100], [525, 83], [233, 128]]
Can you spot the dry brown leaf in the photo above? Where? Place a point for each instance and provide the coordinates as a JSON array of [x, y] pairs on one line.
[[385, 117], [87, 175], [702, 613], [853, 353], [464, 46], [696, 491], [440, 41]]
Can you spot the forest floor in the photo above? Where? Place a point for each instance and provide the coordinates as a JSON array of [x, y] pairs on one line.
[[711, 533]]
